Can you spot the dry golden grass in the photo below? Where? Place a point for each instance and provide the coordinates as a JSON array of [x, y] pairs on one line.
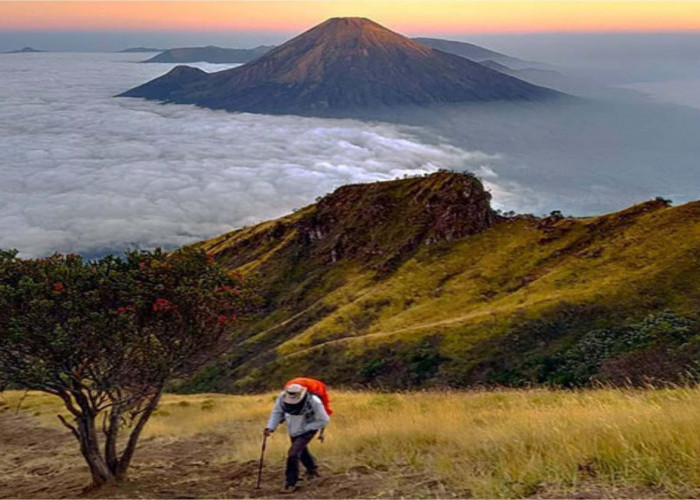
[[485, 444]]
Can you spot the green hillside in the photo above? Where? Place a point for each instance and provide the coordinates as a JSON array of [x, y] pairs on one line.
[[417, 282]]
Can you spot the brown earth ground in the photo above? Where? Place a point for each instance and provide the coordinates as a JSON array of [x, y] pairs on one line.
[[42, 462]]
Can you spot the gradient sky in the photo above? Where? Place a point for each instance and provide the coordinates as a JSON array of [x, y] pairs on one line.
[[406, 16]]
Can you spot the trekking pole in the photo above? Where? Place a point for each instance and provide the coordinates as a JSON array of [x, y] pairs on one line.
[[262, 455]]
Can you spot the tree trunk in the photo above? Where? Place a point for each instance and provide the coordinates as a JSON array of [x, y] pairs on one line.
[[89, 447], [111, 433], [130, 448]]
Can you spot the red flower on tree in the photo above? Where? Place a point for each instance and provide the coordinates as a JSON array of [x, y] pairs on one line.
[[163, 305], [228, 289], [224, 319], [58, 287]]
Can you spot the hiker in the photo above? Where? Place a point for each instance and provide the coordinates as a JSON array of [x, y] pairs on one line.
[[304, 415], [315, 387]]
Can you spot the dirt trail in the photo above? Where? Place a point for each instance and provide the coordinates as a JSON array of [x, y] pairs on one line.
[[40, 462], [423, 326]]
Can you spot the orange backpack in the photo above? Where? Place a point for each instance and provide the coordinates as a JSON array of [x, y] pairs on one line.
[[316, 387]]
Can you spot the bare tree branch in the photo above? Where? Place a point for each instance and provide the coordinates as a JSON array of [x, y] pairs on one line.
[[69, 426], [20, 401]]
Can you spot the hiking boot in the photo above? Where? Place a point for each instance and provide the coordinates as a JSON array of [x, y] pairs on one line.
[[289, 488], [312, 474]]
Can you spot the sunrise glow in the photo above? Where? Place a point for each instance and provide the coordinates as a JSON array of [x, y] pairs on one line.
[[405, 16]]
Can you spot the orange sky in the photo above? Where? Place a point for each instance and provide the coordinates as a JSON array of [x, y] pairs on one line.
[[406, 16]]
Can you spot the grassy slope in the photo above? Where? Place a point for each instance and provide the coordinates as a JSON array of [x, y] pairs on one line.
[[349, 322], [501, 444]]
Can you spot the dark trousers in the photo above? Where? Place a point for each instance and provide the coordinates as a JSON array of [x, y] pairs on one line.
[[299, 451]]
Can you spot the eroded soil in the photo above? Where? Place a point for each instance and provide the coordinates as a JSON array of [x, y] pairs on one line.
[[41, 462]]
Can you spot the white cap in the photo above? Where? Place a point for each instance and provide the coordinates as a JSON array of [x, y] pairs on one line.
[[294, 393]]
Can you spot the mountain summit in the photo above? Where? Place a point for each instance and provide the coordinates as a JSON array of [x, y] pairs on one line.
[[341, 64]]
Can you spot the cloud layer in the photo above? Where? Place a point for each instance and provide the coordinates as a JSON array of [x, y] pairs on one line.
[[81, 171]]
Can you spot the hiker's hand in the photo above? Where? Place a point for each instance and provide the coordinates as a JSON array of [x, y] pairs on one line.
[[267, 432]]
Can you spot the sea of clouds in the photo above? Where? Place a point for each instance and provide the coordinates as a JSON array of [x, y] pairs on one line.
[[83, 171]]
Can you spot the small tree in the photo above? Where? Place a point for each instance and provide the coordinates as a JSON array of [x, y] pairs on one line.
[[105, 336]]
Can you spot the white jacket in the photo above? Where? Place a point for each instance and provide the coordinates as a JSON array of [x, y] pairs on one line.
[[312, 418]]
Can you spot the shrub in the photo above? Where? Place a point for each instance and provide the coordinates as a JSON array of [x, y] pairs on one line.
[[105, 336]]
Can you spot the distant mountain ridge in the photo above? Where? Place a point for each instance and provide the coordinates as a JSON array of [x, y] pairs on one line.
[[210, 54], [536, 73], [136, 50], [25, 50], [341, 64], [214, 54], [418, 282], [473, 52]]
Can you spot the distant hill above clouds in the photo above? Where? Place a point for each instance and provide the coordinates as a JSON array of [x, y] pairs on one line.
[[137, 50], [342, 64], [25, 50], [214, 54], [210, 54], [473, 52], [536, 73]]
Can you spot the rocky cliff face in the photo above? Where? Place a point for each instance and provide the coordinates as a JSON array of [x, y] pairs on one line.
[[380, 224], [383, 221]]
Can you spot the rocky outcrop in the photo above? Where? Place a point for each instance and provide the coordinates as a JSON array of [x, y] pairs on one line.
[[381, 223], [385, 220]]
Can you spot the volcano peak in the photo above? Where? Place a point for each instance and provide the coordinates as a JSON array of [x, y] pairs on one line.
[[339, 26], [342, 64]]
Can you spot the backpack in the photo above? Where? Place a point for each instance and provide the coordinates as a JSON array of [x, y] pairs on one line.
[[314, 387]]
